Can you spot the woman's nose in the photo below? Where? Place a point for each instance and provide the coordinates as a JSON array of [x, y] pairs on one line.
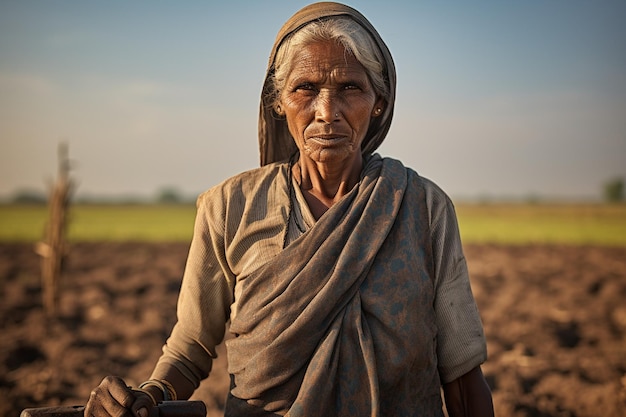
[[327, 108]]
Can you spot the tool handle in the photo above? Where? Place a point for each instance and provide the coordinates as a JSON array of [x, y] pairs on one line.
[[164, 409]]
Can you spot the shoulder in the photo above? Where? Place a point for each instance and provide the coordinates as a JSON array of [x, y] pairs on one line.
[[437, 202], [244, 188], [245, 182], [435, 195]]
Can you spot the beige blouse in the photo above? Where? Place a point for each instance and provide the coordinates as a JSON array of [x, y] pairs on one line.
[[226, 247]]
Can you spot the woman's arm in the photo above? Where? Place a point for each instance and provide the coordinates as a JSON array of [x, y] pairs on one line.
[[469, 396], [188, 354]]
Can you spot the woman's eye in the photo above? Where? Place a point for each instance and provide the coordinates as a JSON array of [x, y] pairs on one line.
[[305, 86], [351, 86]]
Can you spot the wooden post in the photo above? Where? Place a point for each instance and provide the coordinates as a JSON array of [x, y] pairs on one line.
[[53, 249]]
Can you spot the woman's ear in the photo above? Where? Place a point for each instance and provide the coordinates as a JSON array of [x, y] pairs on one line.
[[379, 106], [278, 109]]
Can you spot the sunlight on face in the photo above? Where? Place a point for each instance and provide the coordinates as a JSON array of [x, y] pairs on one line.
[[328, 101]]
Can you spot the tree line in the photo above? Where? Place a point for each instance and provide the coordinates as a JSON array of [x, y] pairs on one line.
[[166, 195], [613, 191]]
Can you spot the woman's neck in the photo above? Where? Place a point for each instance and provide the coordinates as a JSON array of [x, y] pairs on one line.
[[323, 185]]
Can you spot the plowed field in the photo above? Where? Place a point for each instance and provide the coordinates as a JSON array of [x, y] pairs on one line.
[[555, 319]]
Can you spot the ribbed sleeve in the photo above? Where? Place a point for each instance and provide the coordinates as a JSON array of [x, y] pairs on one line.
[[460, 341]]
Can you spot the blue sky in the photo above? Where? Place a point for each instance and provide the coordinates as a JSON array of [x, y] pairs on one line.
[[495, 98]]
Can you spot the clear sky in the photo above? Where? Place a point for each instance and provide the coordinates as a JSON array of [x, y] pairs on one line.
[[495, 98]]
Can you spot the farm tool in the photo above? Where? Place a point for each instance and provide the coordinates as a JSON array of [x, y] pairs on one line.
[[163, 409]]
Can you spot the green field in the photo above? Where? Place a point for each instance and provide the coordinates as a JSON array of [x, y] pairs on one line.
[[151, 223], [570, 224]]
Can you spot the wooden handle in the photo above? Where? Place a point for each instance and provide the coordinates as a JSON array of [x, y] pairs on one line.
[[164, 409]]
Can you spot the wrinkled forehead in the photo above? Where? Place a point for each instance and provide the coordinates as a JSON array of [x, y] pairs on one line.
[[327, 55]]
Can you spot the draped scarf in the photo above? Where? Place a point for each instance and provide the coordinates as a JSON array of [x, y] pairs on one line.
[[341, 321], [275, 141]]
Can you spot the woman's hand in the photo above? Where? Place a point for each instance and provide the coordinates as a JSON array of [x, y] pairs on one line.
[[114, 398]]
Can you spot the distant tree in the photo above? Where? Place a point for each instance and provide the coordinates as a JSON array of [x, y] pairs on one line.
[[169, 195], [533, 199], [29, 197], [614, 190]]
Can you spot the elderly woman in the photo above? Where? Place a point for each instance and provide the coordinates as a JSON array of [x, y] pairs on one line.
[[341, 272]]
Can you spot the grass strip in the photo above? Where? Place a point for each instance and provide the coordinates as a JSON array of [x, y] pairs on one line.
[[144, 223], [569, 224]]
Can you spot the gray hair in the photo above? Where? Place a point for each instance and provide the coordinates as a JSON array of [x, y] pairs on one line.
[[344, 30]]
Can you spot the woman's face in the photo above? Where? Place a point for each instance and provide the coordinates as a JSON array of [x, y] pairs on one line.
[[328, 102]]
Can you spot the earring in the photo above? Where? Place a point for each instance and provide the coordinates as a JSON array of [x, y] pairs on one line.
[[377, 111]]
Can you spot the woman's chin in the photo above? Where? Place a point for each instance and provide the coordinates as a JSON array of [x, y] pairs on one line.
[[331, 155]]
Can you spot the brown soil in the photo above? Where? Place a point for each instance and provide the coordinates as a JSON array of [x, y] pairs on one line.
[[555, 320]]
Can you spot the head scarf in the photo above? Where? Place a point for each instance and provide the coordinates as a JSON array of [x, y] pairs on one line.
[[275, 141]]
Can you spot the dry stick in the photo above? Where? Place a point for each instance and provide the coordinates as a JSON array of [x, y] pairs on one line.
[[53, 249]]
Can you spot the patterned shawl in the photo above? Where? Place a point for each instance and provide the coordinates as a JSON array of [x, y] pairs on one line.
[[275, 141], [341, 322]]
